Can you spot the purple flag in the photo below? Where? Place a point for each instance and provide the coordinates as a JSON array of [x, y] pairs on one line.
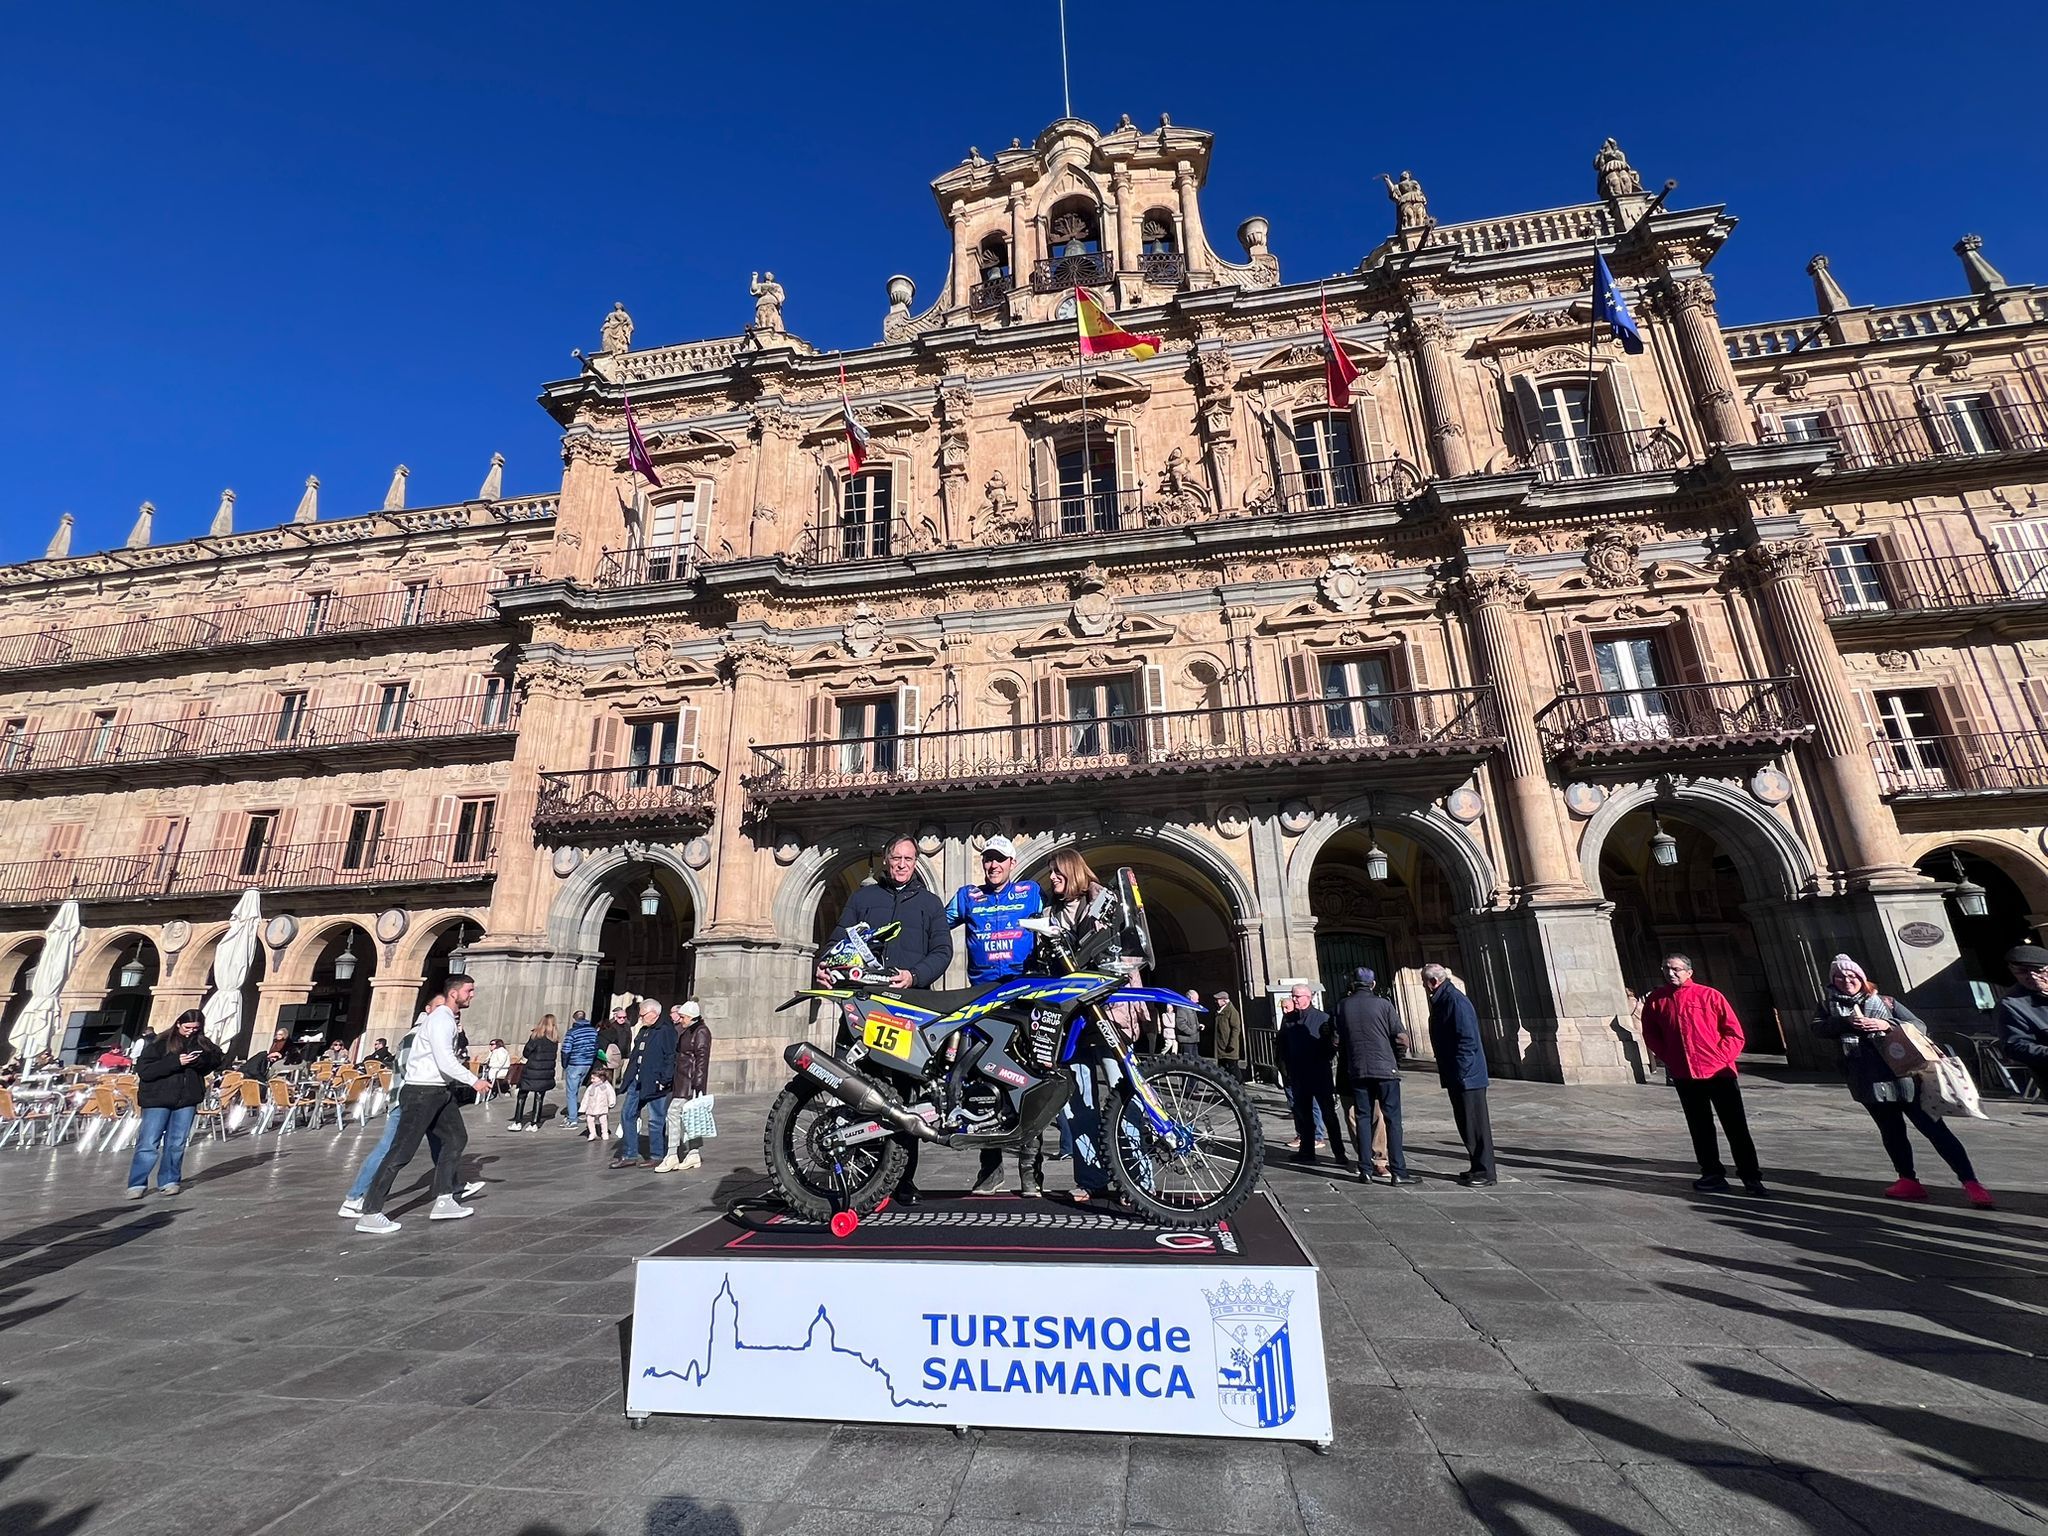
[[636, 448]]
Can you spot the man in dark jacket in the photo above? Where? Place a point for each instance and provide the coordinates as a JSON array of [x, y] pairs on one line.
[[1187, 1025], [579, 1051], [171, 1073], [923, 948], [645, 1082], [1371, 1040], [2023, 1012], [1461, 1068], [1307, 1046], [1229, 1038]]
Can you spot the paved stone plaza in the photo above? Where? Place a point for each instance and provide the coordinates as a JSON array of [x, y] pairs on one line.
[[1590, 1347]]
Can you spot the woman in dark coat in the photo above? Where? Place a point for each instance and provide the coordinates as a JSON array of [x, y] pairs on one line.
[[171, 1078], [537, 1075], [1853, 1013]]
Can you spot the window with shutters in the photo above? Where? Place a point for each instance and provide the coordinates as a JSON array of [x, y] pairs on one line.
[[163, 838], [495, 708], [392, 701], [259, 835], [1084, 465], [2022, 553], [866, 514], [412, 605], [1101, 715], [1566, 423], [365, 832], [1329, 463], [1909, 724], [1974, 421], [319, 608], [671, 528], [868, 728], [653, 747], [1629, 675], [291, 715], [1804, 427], [1852, 567], [1354, 696], [63, 840], [13, 743], [102, 742], [475, 820]]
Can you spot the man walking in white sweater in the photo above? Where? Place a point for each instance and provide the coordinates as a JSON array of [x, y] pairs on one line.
[[426, 1102]]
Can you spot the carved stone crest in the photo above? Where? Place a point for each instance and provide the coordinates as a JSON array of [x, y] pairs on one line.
[[1895, 660], [1340, 586], [1095, 612], [863, 633], [1614, 558]]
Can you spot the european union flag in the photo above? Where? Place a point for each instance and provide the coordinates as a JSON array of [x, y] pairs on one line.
[[1609, 307]]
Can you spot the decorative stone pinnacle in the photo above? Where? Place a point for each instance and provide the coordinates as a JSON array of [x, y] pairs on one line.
[[394, 495], [1827, 293], [60, 541], [224, 517], [145, 526], [1981, 275], [309, 504], [494, 481]]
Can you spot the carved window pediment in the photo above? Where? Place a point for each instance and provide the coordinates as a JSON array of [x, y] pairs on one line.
[[884, 418], [898, 659], [1305, 357], [1106, 391], [1541, 328], [688, 445]]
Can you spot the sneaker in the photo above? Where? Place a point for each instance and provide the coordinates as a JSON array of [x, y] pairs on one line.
[[514, 1125], [1477, 1180], [447, 1208], [472, 1189], [168, 1189], [1712, 1184], [692, 1161], [1909, 1189], [136, 1192], [990, 1183], [669, 1164], [378, 1225], [1756, 1187], [350, 1210], [1978, 1195]]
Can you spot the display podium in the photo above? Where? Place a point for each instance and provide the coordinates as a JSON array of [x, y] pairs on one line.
[[988, 1311]]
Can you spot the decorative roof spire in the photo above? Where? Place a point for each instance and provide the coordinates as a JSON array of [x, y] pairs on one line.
[[224, 518], [145, 525], [1827, 293], [309, 504], [1982, 276], [494, 482], [394, 494], [60, 541]]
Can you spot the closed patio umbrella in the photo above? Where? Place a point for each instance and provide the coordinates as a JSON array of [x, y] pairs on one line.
[[231, 961], [37, 1029]]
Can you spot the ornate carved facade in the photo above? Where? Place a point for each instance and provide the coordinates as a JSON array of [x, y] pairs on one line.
[[1525, 618]]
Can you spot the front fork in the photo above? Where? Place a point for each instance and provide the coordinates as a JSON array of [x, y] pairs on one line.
[[1155, 1114]]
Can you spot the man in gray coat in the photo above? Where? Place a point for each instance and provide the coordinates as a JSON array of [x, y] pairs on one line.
[[1187, 1025], [1371, 1040]]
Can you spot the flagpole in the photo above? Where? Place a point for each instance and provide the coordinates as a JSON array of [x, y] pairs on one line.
[[1081, 378], [1592, 343], [1066, 90]]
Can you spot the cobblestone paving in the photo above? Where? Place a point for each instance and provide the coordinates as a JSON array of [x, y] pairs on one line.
[[1589, 1347]]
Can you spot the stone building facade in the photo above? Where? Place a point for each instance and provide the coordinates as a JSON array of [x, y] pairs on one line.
[[1538, 659]]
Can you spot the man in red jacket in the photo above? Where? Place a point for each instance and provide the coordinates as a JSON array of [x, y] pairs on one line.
[[1692, 1030]]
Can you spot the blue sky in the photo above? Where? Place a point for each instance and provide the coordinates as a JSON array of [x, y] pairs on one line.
[[247, 244]]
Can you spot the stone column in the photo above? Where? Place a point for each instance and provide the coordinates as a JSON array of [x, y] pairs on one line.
[[1021, 253], [966, 270], [1435, 347], [956, 504], [392, 1000], [1194, 239], [167, 1002], [1217, 413], [757, 673], [1494, 594], [1690, 301], [588, 520]]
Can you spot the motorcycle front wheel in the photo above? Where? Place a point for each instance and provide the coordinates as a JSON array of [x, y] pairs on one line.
[[1207, 1161], [801, 1158]]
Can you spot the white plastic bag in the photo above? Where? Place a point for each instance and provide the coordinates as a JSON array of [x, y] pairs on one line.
[[1946, 1088]]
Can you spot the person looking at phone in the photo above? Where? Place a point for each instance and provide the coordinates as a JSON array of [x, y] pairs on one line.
[[171, 1073]]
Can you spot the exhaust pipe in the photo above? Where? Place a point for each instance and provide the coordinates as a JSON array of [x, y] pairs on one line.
[[853, 1090]]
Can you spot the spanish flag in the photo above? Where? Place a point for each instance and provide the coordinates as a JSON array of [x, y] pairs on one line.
[[1099, 333]]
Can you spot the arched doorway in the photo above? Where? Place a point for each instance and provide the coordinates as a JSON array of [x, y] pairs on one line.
[[644, 939], [17, 972], [1982, 940], [1395, 925], [132, 968], [338, 1006], [1694, 905], [450, 941]]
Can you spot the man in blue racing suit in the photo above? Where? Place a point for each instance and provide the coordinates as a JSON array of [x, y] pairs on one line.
[[998, 947]]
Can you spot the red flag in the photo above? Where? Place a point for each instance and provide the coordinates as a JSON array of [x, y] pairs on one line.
[[856, 434], [1100, 334], [637, 457], [1338, 369]]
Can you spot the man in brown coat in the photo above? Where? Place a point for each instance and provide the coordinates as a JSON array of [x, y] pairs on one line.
[[1228, 1034]]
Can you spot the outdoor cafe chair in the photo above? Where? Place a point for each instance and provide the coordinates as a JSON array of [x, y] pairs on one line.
[[22, 1118]]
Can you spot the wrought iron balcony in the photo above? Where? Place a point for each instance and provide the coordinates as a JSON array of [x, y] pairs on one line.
[[1375, 483], [659, 797], [1449, 723], [838, 543], [1981, 429], [442, 859], [1070, 514], [990, 293], [1594, 455], [277, 733], [1681, 719], [648, 567], [1975, 763], [1162, 266], [313, 616], [1083, 269], [1881, 590]]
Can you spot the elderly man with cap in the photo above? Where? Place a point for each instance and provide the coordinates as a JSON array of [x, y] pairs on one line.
[[1229, 1034], [998, 947], [2023, 1012], [1371, 1040]]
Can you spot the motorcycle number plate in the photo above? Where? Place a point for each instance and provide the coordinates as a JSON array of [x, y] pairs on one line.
[[886, 1036]]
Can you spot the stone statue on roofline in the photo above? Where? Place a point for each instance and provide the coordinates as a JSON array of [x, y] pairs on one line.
[[618, 331], [1411, 204], [1617, 178], [768, 295]]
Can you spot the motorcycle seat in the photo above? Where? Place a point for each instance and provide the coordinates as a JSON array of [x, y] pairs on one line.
[[949, 1000]]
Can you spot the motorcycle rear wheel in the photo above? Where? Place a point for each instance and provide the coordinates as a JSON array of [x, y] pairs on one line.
[[1207, 1182], [803, 1173]]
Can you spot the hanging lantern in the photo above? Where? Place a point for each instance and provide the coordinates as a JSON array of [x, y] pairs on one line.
[[650, 900], [132, 974], [458, 957], [1971, 899], [1376, 866], [1663, 846], [345, 962]]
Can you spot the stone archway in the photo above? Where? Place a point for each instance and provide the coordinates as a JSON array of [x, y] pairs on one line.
[[826, 872], [2012, 883], [599, 918]]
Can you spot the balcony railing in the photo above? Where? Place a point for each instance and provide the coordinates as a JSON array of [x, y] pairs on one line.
[[1457, 723], [1978, 763], [1083, 269], [278, 731], [990, 292], [1375, 483], [1982, 429], [1070, 514], [1648, 722], [1162, 266], [1589, 455], [437, 860], [648, 567], [657, 797], [836, 543], [312, 616], [1934, 584]]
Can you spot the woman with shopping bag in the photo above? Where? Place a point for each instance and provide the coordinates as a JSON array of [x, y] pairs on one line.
[[689, 1106], [1853, 1013]]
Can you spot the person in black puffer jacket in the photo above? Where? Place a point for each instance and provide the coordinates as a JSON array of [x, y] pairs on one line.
[[171, 1073], [537, 1075]]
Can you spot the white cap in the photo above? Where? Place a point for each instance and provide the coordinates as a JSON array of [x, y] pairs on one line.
[[691, 1011], [999, 845]]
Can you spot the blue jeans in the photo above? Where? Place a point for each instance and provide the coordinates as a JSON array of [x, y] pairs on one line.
[[1386, 1093], [164, 1133], [368, 1171], [1081, 1128], [629, 1121], [573, 1079]]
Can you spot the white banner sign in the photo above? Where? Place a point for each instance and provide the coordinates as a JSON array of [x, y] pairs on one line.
[[1209, 1351]]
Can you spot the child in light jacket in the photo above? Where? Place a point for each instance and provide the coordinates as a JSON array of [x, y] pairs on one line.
[[596, 1107]]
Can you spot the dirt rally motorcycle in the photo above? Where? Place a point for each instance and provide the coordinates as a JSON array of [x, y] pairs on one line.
[[992, 1065]]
